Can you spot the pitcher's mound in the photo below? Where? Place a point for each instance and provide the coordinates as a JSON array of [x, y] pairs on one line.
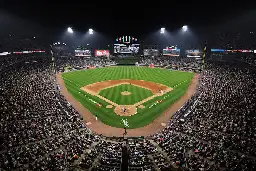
[[126, 93], [125, 110], [109, 106], [141, 106]]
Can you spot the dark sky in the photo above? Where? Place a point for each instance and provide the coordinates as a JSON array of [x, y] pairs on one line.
[[125, 17]]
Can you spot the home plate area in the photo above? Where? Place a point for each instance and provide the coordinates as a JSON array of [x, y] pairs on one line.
[[125, 110]]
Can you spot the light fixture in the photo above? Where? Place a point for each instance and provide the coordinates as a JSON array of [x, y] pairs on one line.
[[185, 28], [90, 31], [162, 30], [70, 30]]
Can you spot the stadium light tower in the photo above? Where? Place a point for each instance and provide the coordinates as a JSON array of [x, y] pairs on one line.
[[185, 28], [70, 30], [162, 30], [90, 31]]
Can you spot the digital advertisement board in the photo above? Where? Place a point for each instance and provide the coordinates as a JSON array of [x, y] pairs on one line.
[[232, 50], [125, 48], [171, 51], [103, 53], [218, 50], [194, 53], [22, 52], [151, 52], [83, 53]]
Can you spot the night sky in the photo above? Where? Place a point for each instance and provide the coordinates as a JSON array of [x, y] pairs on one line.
[[124, 17], [208, 21]]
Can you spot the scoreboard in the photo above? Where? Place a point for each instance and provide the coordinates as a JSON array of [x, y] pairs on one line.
[[126, 39]]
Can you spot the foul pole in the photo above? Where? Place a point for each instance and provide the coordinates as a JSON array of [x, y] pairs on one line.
[[203, 58]]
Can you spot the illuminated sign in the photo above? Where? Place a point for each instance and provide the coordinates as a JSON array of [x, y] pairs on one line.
[[231, 50], [85, 53], [123, 48], [171, 51], [218, 50], [4, 53], [193, 53], [102, 53], [150, 52], [126, 39]]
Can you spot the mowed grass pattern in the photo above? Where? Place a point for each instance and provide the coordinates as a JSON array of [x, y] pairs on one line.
[[179, 81], [137, 94]]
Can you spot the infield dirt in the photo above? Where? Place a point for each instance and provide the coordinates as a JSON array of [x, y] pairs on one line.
[[95, 88]]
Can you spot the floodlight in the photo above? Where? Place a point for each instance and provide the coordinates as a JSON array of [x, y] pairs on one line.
[[185, 28], [70, 30], [90, 31], [162, 30]]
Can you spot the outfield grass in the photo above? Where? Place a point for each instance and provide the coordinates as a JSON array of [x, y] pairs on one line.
[[77, 79], [137, 94]]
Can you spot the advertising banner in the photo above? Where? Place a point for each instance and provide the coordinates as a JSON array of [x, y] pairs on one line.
[[103, 53], [194, 53], [150, 52], [171, 51], [83, 53]]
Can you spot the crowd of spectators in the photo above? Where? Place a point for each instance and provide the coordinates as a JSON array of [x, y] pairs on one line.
[[81, 63], [177, 63], [144, 155], [40, 130], [217, 130], [21, 43]]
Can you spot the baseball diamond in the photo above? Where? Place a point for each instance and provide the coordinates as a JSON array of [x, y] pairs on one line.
[[139, 95]]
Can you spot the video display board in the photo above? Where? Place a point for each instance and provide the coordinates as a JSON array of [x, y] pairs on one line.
[[194, 53], [126, 48], [22, 52], [82, 53], [171, 51], [151, 52], [232, 50], [103, 53]]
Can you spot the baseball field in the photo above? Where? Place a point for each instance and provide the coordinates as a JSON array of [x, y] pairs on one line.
[[127, 96]]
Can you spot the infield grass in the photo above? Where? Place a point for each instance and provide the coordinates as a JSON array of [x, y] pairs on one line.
[[179, 81], [137, 94]]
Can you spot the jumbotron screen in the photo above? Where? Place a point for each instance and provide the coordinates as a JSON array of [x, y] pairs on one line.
[[151, 52], [171, 51], [82, 53], [194, 53], [126, 48], [102, 53]]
